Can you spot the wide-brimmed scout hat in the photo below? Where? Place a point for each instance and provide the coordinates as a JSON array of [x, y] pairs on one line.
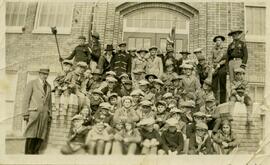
[[146, 121], [153, 47], [44, 70], [172, 122], [234, 32], [197, 50], [109, 47], [137, 92], [201, 125], [122, 44], [68, 62], [146, 103], [143, 82], [142, 50], [218, 36], [150, 74]]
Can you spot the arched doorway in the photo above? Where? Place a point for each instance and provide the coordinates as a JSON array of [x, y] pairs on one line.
[[150, 26]]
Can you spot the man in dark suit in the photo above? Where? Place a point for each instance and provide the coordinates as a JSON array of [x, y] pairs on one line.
[[37, 108]]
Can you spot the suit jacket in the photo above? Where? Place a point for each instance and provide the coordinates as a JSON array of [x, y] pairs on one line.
[[38, 105]]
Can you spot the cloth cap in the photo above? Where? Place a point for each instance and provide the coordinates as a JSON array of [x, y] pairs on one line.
[[111, 73], [143, 82], [82, 64], [197, 50], [82, 37], [239, 70], [159, 81], [172, 122], [146, 103], [201, 57], [146, 121], [128, 82], [137, 92], [186, 66], [161, 103], [123, 75], [168, 62], [153, 47], [184, 52], [210, 98], [176, 110], [189, 103], [122, 44], [68, 62], [167, 95], [111, 79], [77, 117], [113, 95], [199, 114], [105, 105], [202, 125], [97, 91], [95, 34]]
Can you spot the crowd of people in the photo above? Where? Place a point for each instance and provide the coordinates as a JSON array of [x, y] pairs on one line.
[[151, 102]]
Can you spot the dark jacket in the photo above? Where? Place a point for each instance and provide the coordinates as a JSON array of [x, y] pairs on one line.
[[103, 64], [121, 63], [80, 53], [172, 141], [206, 147], [238, 49]]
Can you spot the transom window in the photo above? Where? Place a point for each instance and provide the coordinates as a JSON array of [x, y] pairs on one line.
[[139, 43], [50, 14], [15, 16], [155, 20]]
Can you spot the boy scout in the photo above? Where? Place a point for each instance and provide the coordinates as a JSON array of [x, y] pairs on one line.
[[81, 52], [237, 53]]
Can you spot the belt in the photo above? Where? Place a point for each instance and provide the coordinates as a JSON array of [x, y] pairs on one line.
[[235, 59]]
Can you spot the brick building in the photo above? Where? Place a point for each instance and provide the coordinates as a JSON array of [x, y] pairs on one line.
[[30, 44]]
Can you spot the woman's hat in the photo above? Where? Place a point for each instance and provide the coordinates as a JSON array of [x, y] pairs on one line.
[[109, 47]]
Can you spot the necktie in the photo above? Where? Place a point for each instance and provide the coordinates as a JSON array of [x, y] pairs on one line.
[[45, 87]]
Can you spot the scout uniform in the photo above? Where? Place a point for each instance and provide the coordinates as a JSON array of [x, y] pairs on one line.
[[154, 64], [148, 94], [137, 96], [126, 88], [168, 75], [158, 90], [239, 89], [81, 53], [203, 69], [189, 82], [179, 115], [222, 137], [173, 141], [112, 88], [191, 127], [146, 111], [139, 65], [237, 54], [126, 113], [218, 61], [187, 108], [103, 114], [121, 62], [77, 137], [200, 144], [151, 139], [95, 101], [212, 114], [96, 139], [92, 84], [161, 116], [115, 105]]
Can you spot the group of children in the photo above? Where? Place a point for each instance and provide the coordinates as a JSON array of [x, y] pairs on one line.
[[169, 114]]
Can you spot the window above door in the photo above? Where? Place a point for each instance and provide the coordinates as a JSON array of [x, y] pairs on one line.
[[156, 20]]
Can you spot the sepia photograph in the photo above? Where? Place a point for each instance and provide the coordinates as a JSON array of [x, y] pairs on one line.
[[134, 82]]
